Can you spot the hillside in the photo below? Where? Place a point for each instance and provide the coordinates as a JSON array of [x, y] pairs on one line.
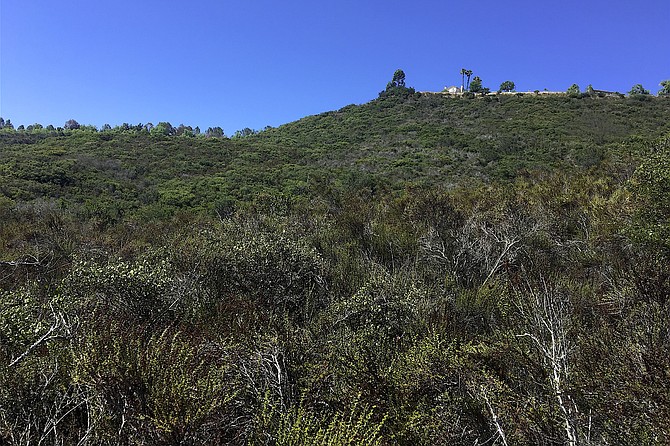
[[433, 137], [417, 270], [391, 143]]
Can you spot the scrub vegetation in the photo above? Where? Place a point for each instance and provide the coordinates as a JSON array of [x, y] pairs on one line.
[[422, 269]]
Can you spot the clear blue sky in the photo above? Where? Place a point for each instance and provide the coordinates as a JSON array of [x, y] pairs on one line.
[[252, 63]]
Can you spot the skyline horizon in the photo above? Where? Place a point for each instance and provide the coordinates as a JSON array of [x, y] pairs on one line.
[[237, 64], [99, 127]]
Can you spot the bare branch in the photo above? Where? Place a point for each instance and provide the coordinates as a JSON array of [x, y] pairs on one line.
[[59, 321]]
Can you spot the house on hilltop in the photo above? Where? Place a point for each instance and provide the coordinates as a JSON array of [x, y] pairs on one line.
[[606, 94], [452, 90]]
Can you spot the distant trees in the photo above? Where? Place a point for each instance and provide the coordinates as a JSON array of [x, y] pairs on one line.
[[34, 127], [665, 91], [244, 132], [6, 124], [398, 78], [468, 73], [638, 89], [476, 86], [184, 130], [573, 90], [163, 129], [71, 124], [507, 87], [465, 72], [214, 132], [396, 87]]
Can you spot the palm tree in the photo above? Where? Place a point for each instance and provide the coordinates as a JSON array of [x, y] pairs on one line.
[[468, 73], [463, 71]]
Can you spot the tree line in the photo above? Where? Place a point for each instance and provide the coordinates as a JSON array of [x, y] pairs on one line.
[[160, 129]]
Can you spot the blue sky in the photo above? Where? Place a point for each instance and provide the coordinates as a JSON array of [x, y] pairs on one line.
[[254, 63]]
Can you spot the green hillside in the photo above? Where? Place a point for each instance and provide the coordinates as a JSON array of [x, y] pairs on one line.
[[417, 270], [390, 144], [430, 137]]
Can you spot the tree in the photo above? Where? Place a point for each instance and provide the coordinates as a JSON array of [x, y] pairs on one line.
[[468, 73], [244, 133], [463, 71], [638, 89], [546, 311], [214, 132], [476, 86], [396, 86], [665, 91], [71, 124], [184, 130], [34, 127], [590, 91], [164, 129], [507, 86], [573, 90], [398, 78]]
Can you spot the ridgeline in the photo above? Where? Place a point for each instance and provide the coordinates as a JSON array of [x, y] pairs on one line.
[[390, 143]]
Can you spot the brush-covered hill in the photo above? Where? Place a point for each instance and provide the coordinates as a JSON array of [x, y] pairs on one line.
[[433, 138], [417, 270], [389, 143]]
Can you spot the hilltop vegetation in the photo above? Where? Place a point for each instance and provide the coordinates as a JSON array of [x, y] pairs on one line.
[[420, 269], [391, 143]]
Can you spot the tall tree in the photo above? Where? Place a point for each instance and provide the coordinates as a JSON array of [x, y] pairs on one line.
[[396, 86], [163, 129], [71, 124], [573, 90], [244, 132], [665, 91], [507, 86], [398, 78], [463, 71], [476, 86], [638, 89], [468, 73], [214, 132]]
